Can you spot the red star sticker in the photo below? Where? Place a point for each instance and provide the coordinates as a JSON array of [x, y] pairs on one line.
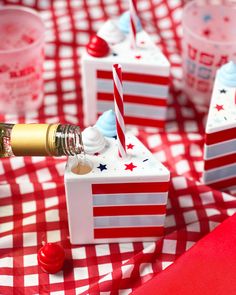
[[206, 32], [219, 107], [130, 146], [130, 166]]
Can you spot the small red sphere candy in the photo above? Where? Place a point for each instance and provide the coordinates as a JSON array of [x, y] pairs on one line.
[[97, 47], [51, 257]]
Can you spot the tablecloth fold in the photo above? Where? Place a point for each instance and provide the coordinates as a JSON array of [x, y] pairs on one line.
[[208, 268]]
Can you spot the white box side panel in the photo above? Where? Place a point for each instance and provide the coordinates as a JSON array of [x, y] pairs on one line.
[[80, 212]]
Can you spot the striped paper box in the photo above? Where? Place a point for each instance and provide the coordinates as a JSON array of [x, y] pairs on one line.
[[120, 200], [220, 140], [145, 79]]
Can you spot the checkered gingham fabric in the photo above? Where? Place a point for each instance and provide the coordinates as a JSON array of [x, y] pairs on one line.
[[32, 196]]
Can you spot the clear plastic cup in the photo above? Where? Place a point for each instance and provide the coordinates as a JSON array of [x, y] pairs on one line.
[[209, 40], [21, 59]]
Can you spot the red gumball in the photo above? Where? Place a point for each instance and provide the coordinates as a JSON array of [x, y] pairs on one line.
[[51, 258], [97, 47]]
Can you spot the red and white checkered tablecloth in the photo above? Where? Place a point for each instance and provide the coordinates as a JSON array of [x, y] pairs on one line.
[[32, 197]]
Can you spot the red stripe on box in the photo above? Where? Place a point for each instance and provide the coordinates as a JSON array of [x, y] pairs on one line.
[[129, 210], [220, 161], [128, 232], [145, 78], [220, 136], [143, 121], [162, 102], [131, 187], [230, 182]]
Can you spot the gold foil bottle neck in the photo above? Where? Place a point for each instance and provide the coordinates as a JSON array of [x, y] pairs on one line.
[[34, 139]]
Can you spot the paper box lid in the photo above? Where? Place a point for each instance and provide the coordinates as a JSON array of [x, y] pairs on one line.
[[146, 54], [140, 164], [222, 111]]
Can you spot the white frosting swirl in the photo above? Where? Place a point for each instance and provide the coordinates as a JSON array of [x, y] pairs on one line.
[[111, 33], [93, 140]]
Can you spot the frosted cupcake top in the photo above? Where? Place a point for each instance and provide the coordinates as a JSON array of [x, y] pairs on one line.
[[124, 23], [227, 74], [93, 140], [111, 33], [106, 124]]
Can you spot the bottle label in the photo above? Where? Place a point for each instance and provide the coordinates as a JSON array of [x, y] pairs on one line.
[[33, 139]]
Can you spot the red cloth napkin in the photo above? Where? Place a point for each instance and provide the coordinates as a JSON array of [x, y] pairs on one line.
[[207, 268]]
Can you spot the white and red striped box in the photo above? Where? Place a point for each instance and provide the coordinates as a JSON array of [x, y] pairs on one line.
[[120, 200], [220, 140], [145, 74]]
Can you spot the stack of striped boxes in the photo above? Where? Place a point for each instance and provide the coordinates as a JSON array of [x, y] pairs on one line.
[[145, 81], [220, 142], [120, 200]]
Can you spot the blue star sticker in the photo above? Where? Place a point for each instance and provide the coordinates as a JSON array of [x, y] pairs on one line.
[[207, 18], [102, 167]]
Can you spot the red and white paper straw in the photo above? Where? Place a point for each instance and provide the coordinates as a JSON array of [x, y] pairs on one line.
[[133, 21], [119, 109]]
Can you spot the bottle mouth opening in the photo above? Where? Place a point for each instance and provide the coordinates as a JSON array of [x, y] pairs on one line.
[[82, 166]]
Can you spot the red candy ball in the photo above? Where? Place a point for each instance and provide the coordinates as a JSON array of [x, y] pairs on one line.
[[97, 47], [51, 258]]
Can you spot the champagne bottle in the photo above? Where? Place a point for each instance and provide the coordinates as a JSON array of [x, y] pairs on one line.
[[40, 140]]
